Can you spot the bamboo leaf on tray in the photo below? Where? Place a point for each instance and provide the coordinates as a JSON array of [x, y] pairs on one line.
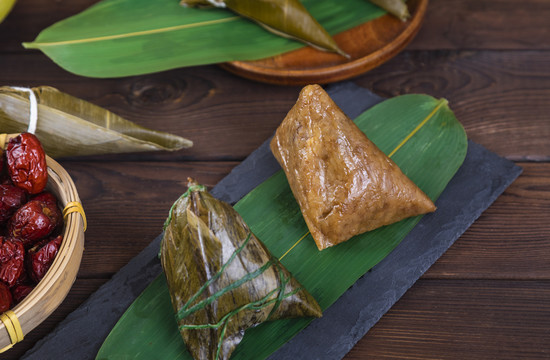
[[282, 17], [68, 126], [117, 38], [420, 133]]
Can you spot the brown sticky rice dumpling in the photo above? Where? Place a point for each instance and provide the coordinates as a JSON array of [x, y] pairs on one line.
[[343, 183]]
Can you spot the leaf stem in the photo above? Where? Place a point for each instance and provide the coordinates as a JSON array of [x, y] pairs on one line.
[[440, 103], [38, 45]]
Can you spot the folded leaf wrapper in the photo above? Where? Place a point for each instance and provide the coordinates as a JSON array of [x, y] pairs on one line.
[[222, 280], [68, 126], [282, 17]]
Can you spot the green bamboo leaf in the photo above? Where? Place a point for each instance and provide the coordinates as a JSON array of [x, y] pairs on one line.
[[68, 126], [420, 133], [130, 37]]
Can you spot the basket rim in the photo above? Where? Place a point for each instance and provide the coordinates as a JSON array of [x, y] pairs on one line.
[[72, 222]]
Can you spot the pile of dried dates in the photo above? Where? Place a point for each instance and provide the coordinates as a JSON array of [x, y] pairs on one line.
[[30, 219]]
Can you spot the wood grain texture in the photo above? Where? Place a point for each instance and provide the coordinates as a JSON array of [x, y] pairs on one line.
[[463, 319], [500, 98], [126, 204], [29, 17], [226, 117], [474, 24], [510, 239]]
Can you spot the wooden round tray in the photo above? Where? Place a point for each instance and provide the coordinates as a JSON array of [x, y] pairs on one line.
[[369, 45]]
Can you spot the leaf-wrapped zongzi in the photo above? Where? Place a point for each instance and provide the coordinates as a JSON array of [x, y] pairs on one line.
[[288, 18], [222, 279], [345, 185], [69, 126], [397, 8]]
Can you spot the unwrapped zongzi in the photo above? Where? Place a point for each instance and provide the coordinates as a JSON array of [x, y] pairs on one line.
[[222, 280], [343, 183]]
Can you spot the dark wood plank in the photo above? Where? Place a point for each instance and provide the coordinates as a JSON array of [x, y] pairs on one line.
[[126, 205], [29, 17], [474, 24], [500, 97], [226, 117], [511, 240], [443, 319]]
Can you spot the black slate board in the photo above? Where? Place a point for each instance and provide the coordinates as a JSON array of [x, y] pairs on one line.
[[479, 181]]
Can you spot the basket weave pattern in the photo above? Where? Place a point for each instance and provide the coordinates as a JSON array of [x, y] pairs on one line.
[[54, 287]]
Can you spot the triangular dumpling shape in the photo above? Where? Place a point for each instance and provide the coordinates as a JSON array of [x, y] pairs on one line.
[[222, 279], [343, 183]]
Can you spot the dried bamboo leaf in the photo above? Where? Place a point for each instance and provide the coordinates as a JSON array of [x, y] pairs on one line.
[[287, 18], [68, 126], [397, 8], [222, 279]]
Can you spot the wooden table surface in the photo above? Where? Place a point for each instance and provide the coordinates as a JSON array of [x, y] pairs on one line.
[[487, 297]]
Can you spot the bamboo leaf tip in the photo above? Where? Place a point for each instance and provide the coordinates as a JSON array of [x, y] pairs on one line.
[[187, 144], [344, 54]]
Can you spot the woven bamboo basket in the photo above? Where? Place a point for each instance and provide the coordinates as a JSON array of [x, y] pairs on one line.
[[54, 287]]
